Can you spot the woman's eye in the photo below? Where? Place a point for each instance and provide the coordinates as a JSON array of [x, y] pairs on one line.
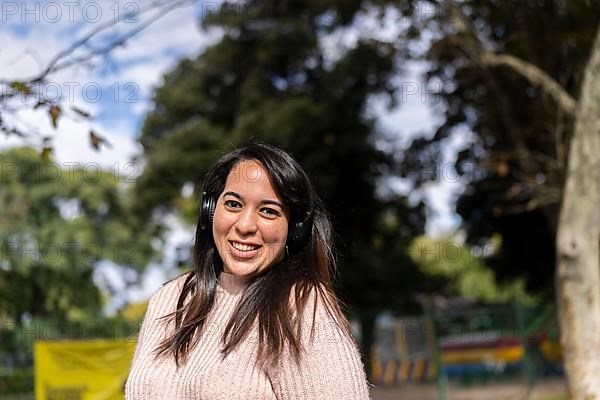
[[270, 211], [231, 203]]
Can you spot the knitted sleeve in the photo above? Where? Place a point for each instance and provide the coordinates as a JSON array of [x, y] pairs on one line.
[[330, 367]]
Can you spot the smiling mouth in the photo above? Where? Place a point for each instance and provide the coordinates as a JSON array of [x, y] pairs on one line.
[[244, 247]]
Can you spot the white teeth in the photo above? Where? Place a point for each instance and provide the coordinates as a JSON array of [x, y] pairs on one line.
[[244, 247]]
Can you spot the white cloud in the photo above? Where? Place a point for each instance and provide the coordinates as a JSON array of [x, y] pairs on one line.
[[72, 144]]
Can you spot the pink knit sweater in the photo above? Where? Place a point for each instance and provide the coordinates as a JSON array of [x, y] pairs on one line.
[[331, 368]]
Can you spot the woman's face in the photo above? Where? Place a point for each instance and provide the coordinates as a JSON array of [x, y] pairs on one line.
[[250, 224]]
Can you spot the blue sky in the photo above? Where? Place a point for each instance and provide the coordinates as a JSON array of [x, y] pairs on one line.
[[118, 90]]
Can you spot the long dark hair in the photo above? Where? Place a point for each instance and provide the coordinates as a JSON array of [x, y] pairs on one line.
[[267, 295]]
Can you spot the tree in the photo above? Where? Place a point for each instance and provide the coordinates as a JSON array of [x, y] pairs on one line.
[[516, 85], [55, 226], [578, 242], [464, 270], [268, 78]]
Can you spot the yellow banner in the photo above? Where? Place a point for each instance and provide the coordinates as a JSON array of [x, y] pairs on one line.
[[82, 370]]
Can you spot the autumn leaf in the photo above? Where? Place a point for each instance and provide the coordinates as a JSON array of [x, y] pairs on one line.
[[97, 140], [54, 114]]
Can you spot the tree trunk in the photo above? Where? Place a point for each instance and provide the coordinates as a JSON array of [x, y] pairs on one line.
[[578, 243]]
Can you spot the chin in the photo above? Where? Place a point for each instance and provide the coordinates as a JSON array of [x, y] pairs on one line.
[[242, 270]]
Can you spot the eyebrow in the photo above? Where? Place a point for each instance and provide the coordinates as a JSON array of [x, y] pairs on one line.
[[239, 196]]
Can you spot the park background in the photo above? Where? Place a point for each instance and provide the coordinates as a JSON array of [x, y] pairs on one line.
[[441, 136]]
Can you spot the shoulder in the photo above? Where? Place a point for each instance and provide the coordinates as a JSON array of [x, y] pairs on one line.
[[329, 366], [313, 300], [320, 314], [175, 284]]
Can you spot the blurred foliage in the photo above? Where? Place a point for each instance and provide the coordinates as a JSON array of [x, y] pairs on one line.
[[514, 167], [55, 226], [134, 311], [18, 381], [464, 267]]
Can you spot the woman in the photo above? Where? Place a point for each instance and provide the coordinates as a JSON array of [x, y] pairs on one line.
[[257, 317]]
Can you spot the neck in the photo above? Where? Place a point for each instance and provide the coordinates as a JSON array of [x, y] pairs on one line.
[[232, 283]]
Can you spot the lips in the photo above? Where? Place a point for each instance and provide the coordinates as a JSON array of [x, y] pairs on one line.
[[243, 250]]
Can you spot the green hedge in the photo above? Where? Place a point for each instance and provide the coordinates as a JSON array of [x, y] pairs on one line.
[[19, 381]]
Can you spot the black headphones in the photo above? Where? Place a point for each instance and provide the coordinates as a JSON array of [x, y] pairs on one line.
[[299, 229]]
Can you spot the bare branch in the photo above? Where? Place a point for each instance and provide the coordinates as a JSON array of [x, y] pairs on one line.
[[97, 52], [534, 203], [58, 62], [474, 48], [535, 75]]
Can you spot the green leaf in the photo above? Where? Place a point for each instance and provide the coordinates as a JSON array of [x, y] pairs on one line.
[[21, 87]]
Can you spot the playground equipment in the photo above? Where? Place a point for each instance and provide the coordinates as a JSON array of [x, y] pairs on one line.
[[468, 344]]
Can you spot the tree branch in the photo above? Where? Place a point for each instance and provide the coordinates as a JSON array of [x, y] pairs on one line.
[[535, 75], [475, 50], [55, 63]]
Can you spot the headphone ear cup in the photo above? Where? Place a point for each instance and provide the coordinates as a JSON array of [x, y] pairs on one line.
[[299, 233], [207, 211]]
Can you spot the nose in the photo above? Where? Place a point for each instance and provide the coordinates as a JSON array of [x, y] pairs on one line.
[[246, 222]]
